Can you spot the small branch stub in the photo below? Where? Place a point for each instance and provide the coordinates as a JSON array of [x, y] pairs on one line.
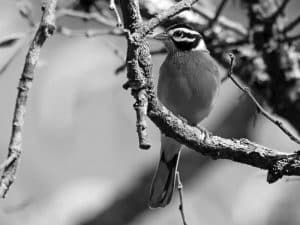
[[140, 107], [113, 7]]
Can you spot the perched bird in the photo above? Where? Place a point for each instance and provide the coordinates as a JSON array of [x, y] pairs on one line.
[[188, 83]]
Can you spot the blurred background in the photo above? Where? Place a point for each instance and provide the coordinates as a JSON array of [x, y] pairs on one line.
[[81, 164]]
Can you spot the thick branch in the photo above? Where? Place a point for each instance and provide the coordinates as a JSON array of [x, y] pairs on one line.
[[137, 77], [238, 150], [46, 29], [130, 204], [270, 69], [242, 150]]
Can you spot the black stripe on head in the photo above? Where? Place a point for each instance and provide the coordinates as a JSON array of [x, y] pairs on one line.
[[186, 46]]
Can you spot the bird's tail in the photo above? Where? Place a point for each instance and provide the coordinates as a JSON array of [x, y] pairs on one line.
[[164, 179]]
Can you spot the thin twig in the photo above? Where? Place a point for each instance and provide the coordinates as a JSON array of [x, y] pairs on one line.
[[158, 51], [18, 40], [290, 179], [247, 91], [292, 38], [291, 25], [11, 39], [217, 14], [45, 30], [113, 7], [96, 17], [279, 11], [25, 9], [180, 192], [231, 44], [223, 22], [116, 50], [120, 68], [65, 31], [8, 161], [167, 14], [223, 79]]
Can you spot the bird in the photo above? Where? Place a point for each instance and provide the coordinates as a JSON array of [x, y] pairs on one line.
[[188, 84]]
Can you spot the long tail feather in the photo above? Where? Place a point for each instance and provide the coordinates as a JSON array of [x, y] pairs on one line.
[[164, 179], [163, 183]]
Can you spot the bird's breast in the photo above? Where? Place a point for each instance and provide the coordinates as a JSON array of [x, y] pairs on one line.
[[188, 83]]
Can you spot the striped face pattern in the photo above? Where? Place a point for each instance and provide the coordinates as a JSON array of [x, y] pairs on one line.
[[185, 38]]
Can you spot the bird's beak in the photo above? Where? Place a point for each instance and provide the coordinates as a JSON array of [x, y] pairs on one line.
[[161, 36]]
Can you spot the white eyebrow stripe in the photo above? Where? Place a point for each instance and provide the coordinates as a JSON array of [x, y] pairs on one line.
[[185, 39], [185, 30]]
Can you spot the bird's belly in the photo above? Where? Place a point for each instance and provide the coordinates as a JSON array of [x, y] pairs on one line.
[[188, 87], [194, 104]]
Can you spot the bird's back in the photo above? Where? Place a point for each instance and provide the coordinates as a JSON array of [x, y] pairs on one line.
[[188, 83]]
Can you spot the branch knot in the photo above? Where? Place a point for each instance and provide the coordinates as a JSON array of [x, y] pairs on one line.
[[276, 171]]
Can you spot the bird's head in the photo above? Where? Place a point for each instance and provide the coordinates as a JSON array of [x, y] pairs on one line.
[[182, 37]]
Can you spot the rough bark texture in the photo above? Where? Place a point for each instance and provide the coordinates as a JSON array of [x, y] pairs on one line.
[[268, 62], [242, 150], [46, 29]]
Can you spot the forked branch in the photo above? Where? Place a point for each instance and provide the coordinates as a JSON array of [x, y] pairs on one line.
[[243, 151]]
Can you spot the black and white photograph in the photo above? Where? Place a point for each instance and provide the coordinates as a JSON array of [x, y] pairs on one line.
[[149, 112]]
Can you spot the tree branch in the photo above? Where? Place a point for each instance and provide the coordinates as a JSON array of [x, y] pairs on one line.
[[180, 192], [225, 23], [238, 150], [137, 77], [96, 17], [167, 14], [292, 38], [217, 15], [132, 203], [279, 11], [268, 64], [113, 7], [90, 33], [260, 109], [46, 29], [291, 25]]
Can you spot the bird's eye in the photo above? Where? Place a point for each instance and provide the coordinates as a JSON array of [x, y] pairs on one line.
[[178, 34]]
